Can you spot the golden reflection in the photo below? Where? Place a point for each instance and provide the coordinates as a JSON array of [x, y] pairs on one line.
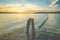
[[23, 17]]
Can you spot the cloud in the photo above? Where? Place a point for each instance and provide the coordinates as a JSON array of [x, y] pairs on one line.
[[32, 6], [23, 7], [27, 6], [19, 7], [53, 3], [10, 5]]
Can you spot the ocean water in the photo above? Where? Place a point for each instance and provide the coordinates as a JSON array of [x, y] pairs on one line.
[[13, 26]]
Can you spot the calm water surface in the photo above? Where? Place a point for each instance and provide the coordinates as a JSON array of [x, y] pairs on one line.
[[11, 22]]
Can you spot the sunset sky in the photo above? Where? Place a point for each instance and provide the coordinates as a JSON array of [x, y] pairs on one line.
[[29, 4]]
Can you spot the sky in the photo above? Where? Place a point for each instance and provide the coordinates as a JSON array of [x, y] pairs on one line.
[[39, 3]]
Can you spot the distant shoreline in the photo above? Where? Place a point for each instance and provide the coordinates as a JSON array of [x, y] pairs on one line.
[[29, 13]]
